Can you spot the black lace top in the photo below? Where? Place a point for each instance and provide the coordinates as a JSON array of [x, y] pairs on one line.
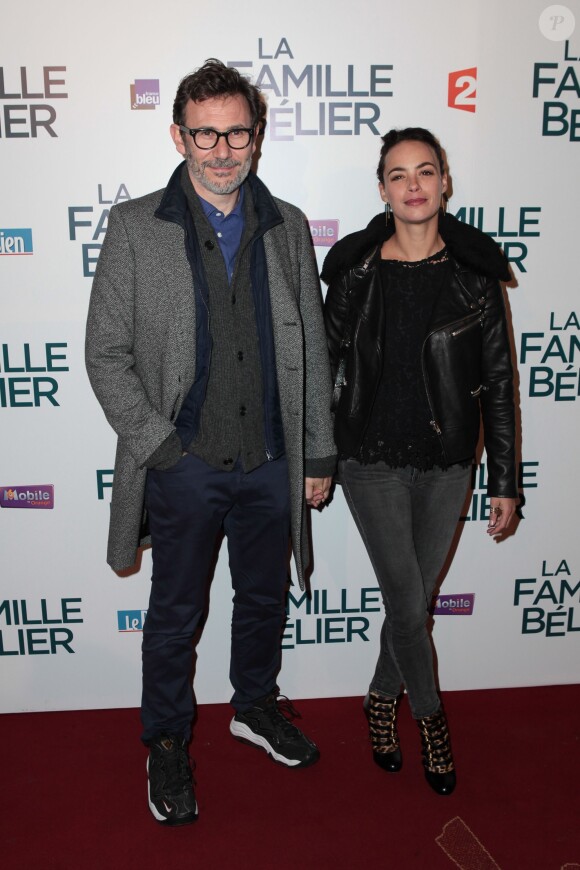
[[399, 431]]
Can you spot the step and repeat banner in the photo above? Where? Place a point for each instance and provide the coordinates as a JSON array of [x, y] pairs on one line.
[[85, 107]]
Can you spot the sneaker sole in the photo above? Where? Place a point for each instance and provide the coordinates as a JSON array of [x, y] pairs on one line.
[[245, 735], [171, 822]]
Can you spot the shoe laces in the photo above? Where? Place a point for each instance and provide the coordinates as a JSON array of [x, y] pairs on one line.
[[175, 761], [280, 710]]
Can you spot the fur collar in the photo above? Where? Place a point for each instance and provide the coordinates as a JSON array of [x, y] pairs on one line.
[[466, 244]]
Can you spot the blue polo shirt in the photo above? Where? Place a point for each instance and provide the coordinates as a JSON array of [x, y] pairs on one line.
[[228, 229]]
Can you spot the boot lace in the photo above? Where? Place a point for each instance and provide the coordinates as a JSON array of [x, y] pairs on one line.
[[436, 745], [382, 713]]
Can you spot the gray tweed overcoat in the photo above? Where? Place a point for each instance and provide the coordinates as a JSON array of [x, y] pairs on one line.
[[140, 355]]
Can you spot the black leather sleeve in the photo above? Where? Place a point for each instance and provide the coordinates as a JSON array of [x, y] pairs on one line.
[[336, 310], [497, 396]]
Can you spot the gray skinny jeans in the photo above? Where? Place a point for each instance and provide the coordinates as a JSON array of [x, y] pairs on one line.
[[407, 519]]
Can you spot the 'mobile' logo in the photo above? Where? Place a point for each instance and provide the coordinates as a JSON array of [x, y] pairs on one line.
[[131, 620], [37, 496], [144, 93], [462, 89], [14, 243], [324, 233], [454, 605]]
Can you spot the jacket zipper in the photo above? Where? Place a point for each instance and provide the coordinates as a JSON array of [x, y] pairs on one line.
[[473, 321], [432, 422]]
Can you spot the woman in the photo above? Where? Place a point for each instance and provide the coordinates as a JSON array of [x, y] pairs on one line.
[[419, 349]]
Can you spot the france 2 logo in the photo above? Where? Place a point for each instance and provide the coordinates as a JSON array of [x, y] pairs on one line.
[[462, 89]]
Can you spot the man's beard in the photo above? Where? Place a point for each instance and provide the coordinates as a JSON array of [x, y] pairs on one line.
[[197, 170]]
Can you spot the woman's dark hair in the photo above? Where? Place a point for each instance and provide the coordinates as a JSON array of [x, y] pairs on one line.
[[215, 79], [409, 134]]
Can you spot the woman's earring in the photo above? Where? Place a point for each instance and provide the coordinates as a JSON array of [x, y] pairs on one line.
[[388, 212]]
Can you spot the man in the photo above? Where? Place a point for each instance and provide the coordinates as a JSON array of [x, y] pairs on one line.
[[206, 349]]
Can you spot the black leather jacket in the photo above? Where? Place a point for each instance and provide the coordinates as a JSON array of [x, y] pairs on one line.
[[466, 358]]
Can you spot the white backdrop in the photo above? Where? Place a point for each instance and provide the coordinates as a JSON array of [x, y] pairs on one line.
[[85, 106]]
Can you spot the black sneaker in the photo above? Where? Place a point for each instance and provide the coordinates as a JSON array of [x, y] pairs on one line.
[[170, 790], [267, 726]]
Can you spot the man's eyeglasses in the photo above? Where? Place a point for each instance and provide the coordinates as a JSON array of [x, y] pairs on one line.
[[207, 138]]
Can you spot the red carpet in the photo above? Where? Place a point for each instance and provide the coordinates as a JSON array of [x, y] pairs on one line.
[[74, 796]]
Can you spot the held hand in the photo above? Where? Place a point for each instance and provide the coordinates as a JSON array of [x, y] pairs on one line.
[[501, 513], [316, 490]]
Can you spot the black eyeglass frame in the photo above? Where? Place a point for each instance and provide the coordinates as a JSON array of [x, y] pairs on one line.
[[226, 134]]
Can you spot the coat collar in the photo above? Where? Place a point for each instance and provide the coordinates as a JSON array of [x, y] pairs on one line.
[[173, 206], [467, 245]]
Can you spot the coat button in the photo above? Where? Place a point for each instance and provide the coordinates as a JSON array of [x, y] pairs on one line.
[[242, 410], [240, 355], [228, 461]]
